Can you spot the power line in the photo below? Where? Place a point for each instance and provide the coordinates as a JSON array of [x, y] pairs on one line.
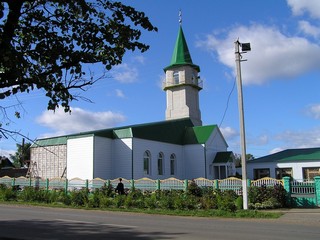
[[227, 105]]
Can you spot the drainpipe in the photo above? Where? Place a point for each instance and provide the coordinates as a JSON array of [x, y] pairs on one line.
[[205, 161], [132, 159]]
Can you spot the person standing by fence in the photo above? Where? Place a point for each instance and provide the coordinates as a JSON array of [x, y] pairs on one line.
[[120, 187]]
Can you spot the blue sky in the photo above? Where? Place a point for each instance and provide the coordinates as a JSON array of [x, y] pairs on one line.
[[280, 77]]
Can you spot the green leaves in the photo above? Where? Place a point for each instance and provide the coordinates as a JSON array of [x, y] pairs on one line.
[[47, 43]]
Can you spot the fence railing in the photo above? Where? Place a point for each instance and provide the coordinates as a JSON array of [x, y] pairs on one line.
[[302, 187], [144, 184]]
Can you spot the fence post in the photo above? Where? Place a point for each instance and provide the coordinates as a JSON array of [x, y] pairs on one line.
[[30, 181], [132, 183], [13, 183], [287, 187], [248, 183], [87, 184], [317, 188], [216, 184], [66, 186], [186, 184], [47, 184], [108, 183], [158, 184]]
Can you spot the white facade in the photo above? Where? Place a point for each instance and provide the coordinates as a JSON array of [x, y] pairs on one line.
[[182, 94], [297, 168], [80, 152]]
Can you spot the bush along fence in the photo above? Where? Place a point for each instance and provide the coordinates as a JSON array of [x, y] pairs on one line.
[[263, 192]]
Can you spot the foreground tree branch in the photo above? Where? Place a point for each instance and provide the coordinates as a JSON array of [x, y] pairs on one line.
[[43, 41]]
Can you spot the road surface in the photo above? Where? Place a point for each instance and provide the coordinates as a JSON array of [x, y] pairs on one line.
[[23, 223]]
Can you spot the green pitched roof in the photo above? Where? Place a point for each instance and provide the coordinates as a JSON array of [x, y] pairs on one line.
[[291, 155], [199, 134], [179, 131], [50, 141], [223, 157], [181, 55]]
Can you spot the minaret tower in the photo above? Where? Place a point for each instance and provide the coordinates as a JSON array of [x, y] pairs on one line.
[[182, 83]]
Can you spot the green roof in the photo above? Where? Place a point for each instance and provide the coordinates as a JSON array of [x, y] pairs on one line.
[[179, 131], [50, 141], [199, 134], [181, 55], [291, 155], [223, 157]]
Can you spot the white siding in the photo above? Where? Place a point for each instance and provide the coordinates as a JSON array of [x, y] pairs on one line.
[[194, 161], [102, 158], [297, 168], [121, 158], [252, 166], [215, 143], [154, 147], [80, 158]]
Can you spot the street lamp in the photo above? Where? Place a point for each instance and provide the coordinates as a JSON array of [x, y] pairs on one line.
[[244, 47]]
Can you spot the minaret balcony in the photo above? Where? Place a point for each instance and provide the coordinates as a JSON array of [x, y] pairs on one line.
[[196, 83]]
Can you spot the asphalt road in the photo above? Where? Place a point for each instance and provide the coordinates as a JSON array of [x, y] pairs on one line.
[[21, 222]]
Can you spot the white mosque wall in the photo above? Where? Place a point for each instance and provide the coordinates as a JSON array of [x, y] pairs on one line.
[[102, 167], [80, 157], [154, 147], [121, 158]]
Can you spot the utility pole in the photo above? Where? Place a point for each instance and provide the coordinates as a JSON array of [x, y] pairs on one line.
[[245, 47]]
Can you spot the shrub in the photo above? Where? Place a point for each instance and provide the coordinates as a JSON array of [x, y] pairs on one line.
[[32, 194], [119, 200], [194, 189], [79, 198], [7, 193], [106, 202], [239, 203], [226, 200], [267, 197]]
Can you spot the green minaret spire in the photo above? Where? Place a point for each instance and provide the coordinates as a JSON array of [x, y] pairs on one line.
[[181, 55]]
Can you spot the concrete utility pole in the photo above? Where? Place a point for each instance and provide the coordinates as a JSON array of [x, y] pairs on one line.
[[245, 47]]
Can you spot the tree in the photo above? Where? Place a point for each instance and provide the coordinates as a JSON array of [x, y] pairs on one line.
[[45, 44], [22, 155], [238, 158]]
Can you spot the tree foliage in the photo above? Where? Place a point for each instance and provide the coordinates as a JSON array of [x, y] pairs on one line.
[[45, 44], [21, 157]]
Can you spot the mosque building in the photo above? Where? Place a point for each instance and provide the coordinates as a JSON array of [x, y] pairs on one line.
[[179, 147]]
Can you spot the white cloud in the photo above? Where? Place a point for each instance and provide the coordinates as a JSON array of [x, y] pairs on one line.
[[119, 93], [314, 111], [299, 7], [275, 150], [273, 55], [309, 29], [299, 139], [140, 59], [229, 133], [125, 73], [7, 153], [79, 120]]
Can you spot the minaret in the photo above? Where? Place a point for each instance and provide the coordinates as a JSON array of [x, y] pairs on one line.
[[182, 83]]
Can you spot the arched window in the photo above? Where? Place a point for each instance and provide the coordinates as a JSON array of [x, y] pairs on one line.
[[146, 162], [172, 164], [160, 163], [176, 77]]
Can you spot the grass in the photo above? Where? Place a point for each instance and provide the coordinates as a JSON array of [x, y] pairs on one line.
[[190, 213]]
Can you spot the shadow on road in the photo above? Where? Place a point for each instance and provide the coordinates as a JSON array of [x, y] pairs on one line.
[[35, 229]]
